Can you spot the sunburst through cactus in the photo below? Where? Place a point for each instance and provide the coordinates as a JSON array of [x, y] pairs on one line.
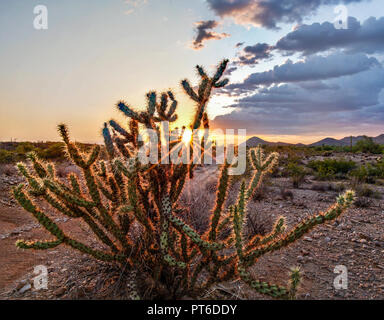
[[169, 259]]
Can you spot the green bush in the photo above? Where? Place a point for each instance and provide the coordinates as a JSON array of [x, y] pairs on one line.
[[369, 173], [54, 151], [367, 145], [379, 167], [364, 174], [367, 192], [7, 156], [24, 147], [297, 174], [331, 168]]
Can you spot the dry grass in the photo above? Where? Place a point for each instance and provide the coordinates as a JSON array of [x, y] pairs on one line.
[[63, 169], [198, 200]]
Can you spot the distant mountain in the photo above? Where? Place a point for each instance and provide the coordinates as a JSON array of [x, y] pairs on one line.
[[379, 139], [254, 141], [346, 141], [330, 142]]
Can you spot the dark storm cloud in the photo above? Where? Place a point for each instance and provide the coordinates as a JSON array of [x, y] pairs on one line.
[[312, 68], [266, 122], [204, 33], [229, 70], [268, 13], [316, 107], [251, 55], [308, 39]]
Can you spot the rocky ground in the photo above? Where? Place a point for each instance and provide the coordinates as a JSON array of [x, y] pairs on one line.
[[355, 241]]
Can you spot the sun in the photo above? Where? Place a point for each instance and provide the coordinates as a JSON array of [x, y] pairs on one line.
[[187, 136]]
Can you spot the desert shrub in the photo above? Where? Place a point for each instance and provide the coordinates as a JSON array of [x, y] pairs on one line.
[[296, 173], [286, 194], [46, 150], [260, 194], [257, 225], [367, 192], [362, 202], [324, 173], [196, 202], [369, 173], [134, 209], [330, 168], [364, 174], [53, 152], [24, 147], [64, 169], [367, 145], [379, 165], [7, 156]]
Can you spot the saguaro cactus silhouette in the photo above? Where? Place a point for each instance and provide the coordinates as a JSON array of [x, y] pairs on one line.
[[120, 197]]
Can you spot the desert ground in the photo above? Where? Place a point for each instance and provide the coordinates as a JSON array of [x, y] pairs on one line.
[[356, 241]]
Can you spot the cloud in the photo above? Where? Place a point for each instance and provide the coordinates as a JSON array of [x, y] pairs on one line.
[[133, 4], [366, 37], [230, 70], [312, 68], [203, 33], [251, 55], [346, 104], [266, 122], [308, 39], [268, 13]]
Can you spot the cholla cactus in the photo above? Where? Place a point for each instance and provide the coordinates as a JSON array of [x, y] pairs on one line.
[[120, 197]]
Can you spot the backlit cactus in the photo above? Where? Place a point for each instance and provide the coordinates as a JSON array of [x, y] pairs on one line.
[[120, 197]]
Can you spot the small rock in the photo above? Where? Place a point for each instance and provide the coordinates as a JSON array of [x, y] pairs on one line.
[[304, 252], [89, 288], [59, 292], [25, 288], [21, 284], [308, 239]]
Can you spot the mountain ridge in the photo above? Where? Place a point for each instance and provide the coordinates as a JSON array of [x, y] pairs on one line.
[[346, 141]]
